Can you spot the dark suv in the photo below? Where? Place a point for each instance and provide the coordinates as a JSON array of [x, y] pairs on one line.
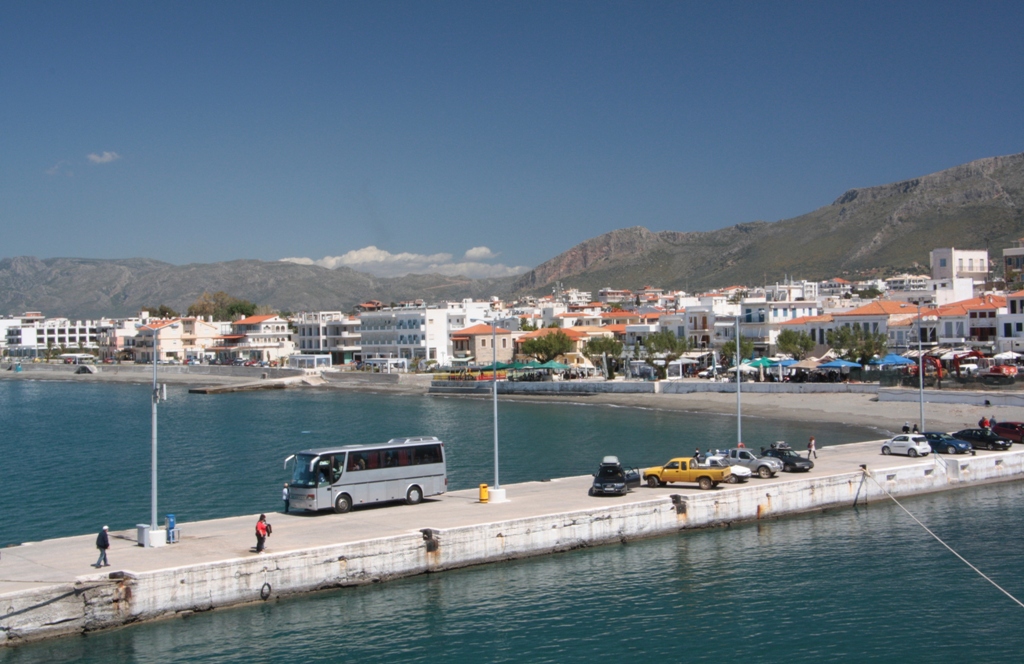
[[792, 462], [611, 479]]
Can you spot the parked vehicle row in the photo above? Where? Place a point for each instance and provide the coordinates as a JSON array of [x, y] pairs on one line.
[[965, 441]]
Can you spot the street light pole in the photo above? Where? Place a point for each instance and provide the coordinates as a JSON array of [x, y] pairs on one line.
[[151, 540], [153, 455], [494, 390], [739, 379], [920, 366]]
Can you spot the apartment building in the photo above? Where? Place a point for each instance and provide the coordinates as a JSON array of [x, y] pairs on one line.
[[328, 333]]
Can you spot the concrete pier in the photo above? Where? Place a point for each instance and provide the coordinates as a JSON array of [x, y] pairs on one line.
[[49, 588]]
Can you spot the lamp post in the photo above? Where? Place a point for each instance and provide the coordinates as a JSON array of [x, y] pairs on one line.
[[739, 379], [151, 540], [920, 361], [497, 494]]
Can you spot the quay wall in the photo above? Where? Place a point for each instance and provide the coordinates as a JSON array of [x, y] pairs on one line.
[[100, 601], [644, 387], [993, 398]]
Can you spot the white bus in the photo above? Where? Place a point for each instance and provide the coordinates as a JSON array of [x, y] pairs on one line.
[[339, 478]]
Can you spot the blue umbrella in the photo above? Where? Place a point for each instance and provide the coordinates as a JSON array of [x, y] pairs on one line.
[[784, 363], [892, 359], [838, 364]]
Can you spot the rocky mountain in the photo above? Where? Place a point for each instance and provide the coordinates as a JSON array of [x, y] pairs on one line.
[[872, 230], [86, 288]]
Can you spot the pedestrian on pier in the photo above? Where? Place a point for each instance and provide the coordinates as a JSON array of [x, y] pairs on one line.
[[102, 543], [263, 531], [812, 448], [284, 496]]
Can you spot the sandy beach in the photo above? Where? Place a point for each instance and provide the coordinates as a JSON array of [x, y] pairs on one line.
[[841, 408]]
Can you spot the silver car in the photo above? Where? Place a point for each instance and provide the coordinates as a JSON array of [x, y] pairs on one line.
[[910, 444]]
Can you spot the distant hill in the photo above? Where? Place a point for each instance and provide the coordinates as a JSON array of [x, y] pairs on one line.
[[877, 229], [872, 230], [86, 288]]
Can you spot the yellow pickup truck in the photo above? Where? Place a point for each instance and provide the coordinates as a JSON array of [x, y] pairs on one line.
[[685, 469]]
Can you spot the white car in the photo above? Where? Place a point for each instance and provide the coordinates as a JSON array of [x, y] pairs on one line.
[[737, 475], [912, 445]]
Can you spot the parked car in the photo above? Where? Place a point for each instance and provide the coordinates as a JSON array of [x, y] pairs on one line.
[[765, 467], [737, 474], [791, 460], [686, 469], [612, 479], [1013, 431], [983, 439], [944, 443], [913, 445]]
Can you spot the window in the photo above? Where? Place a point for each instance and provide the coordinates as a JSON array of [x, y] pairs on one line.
[[942, 262], [504, 343]]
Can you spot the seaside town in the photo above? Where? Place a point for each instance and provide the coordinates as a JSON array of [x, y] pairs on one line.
[[955, 320]]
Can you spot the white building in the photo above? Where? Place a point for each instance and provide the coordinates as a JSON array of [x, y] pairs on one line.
[[906, 282], [328, 333], [394, 334], [35, 336], [960, 263]]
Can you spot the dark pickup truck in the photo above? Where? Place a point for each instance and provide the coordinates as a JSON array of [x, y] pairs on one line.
[[611, 479]]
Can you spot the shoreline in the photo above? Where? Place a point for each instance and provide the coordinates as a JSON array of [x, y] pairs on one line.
[[862, 410]]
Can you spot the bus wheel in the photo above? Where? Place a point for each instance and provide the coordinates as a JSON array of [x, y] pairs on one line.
[[414, 496], [342, 503]]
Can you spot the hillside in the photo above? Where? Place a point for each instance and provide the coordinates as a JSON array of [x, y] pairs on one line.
[[85, 288], [871, 230], [886, 228]]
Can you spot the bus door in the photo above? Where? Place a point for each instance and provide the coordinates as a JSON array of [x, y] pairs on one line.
[[328, 472]]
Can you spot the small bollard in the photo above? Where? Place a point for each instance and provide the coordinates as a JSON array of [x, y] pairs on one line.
[[484, 493]]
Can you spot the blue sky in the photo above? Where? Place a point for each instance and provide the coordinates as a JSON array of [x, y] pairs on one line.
[[474, 137]]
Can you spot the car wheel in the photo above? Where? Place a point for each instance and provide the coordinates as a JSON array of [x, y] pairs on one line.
[[705, 483], [912, 453], [732, 479], [590, 491], [652, 481], [414, 496], [951, 450], [764, 472], [990, 447], [342, 503], [886, 450]]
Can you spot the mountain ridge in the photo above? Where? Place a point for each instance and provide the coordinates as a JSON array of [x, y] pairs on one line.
[[867, 230]]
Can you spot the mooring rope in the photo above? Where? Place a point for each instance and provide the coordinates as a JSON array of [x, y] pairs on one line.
[[939, 540]]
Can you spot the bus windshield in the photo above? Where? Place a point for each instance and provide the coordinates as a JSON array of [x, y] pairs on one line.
[[302, 475]]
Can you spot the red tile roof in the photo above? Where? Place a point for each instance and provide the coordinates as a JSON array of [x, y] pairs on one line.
[[480, 328], [254, 320]]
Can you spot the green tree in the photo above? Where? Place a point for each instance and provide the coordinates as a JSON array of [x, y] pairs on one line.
[[163, 311], [797, 344], [547, 347], [666, 343], [856, 344], [598, 348], [221, 306], [728, 350], [525, 325]]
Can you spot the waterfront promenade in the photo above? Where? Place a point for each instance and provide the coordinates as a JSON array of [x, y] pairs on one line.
[[49, 588]]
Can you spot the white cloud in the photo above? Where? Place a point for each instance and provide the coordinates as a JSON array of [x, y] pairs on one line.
[[479, 254], [62, 167], [381, 263], [104, 158]]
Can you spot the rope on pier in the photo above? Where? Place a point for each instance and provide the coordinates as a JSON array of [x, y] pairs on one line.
[[939, 540]]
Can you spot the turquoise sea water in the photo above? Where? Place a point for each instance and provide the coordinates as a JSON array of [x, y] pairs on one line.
[[855, 584]]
